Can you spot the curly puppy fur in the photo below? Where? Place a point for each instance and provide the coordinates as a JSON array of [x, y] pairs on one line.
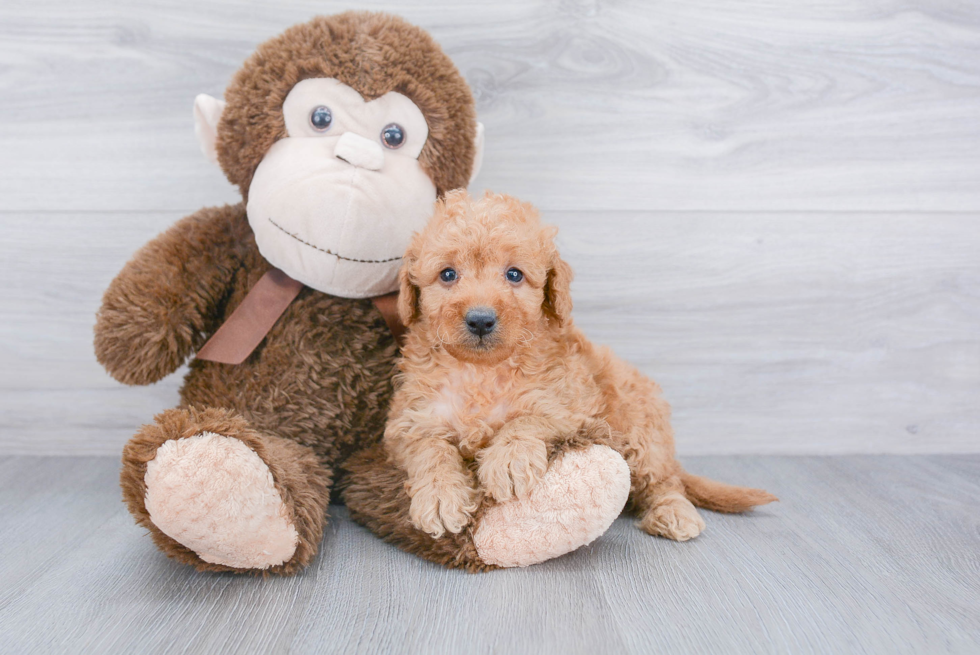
[[376, 495], [317, 389], [475, 414]]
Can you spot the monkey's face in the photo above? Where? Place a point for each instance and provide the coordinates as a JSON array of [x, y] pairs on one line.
[[335, 203]]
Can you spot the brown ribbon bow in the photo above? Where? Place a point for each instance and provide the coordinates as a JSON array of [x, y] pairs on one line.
[[262, 306]]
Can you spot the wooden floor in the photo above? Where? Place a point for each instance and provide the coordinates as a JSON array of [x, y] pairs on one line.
[[876, 554]]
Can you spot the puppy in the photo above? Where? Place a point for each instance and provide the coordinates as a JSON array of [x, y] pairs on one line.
[[494, 372]]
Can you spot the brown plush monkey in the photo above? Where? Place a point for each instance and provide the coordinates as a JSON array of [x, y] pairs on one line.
[[341, 133]]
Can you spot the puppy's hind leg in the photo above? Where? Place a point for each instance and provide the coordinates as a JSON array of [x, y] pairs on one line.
[[665, 498], [666, 512], [657, 491]]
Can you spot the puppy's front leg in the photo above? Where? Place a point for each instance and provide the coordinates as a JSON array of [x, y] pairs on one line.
[[516, 458], [441, 487]]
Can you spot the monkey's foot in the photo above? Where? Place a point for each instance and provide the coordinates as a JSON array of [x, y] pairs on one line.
[[216, 496], [575, 502]]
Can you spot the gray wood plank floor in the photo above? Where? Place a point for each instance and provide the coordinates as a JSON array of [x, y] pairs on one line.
[[865, 554]]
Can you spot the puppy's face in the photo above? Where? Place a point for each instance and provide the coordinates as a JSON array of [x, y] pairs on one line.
[[482, 278], [480, 307]]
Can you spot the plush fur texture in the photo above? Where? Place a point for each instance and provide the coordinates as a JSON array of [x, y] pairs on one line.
[[555, 517], [321, 377], [474, 414], [317, 388], [215, 495], [299, 478], [515, 533], [375, 495], [370, 52]]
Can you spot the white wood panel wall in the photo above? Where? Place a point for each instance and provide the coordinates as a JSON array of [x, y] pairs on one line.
[[772, 207]]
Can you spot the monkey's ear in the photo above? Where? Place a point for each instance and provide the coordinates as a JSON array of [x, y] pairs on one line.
[[477, 152], [207, 113], [558, 292], [408, 295]]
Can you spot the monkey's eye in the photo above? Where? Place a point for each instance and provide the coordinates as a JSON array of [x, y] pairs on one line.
[[514, 275], [393, 136], [448, 275], [321, 118]]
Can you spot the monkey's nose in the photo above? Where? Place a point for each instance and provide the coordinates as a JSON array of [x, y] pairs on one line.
[[481, 320], [359, 151]]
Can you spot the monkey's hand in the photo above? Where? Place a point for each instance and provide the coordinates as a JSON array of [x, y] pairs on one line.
[[161, 306]]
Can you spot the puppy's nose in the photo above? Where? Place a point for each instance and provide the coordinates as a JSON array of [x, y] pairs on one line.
[[481, 320]]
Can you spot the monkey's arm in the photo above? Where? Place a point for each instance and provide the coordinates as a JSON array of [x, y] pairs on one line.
[[162, 305]]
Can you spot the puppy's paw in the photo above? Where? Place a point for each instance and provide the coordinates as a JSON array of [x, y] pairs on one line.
[[675, 518], [511, 468], [438, 507]]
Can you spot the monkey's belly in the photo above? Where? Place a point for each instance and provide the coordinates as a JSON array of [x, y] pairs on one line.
[[322, 377]]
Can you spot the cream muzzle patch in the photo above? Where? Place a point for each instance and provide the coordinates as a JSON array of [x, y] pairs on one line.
[[335, 203]]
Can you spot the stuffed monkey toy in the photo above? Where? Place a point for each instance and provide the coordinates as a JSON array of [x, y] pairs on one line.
[[341, 133]]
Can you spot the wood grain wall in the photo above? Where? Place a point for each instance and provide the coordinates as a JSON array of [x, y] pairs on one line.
[[772, 207]]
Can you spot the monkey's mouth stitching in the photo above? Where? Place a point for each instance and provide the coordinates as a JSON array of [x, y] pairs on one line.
[[324, 250]]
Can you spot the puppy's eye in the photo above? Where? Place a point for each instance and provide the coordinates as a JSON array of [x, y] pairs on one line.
[[393, 136], [514, 275], [321, 118], [448, 275]]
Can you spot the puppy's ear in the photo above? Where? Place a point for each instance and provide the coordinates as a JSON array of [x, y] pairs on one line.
[[557, 291], [408, 293]]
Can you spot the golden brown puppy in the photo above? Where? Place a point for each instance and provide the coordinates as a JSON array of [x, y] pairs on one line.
[[493, 370]]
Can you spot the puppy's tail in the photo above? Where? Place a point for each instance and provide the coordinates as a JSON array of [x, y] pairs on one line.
[[721, 497]]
